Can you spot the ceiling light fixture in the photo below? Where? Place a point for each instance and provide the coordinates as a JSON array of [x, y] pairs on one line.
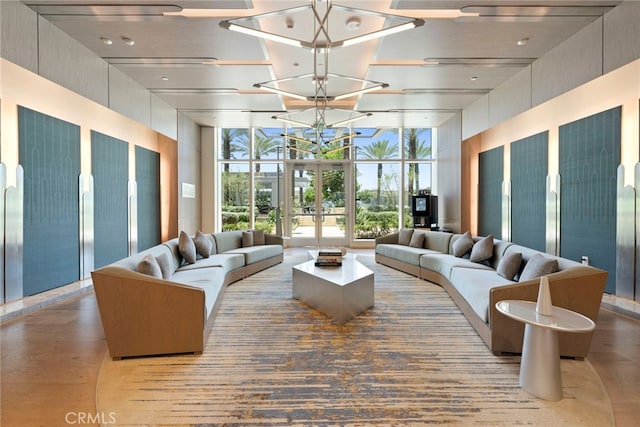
[[320, 45], [241, 25], [106, 41], [523, 41], [128, 41], [274, 86]]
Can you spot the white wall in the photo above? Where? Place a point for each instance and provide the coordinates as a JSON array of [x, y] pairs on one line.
[[603, 46]]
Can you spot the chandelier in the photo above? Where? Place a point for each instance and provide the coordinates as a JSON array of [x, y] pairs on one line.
[[320, 44]]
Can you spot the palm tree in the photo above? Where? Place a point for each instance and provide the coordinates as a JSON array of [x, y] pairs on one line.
[[416, 149], [228, 136], [379, 150]]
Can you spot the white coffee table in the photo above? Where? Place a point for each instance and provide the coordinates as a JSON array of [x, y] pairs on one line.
[[341, 293], [540, 363]]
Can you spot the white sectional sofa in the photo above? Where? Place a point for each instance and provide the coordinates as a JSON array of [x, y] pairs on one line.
[[477, 285], [156, 302]]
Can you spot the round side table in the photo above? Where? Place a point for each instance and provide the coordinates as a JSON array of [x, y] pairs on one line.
[[540, 363]]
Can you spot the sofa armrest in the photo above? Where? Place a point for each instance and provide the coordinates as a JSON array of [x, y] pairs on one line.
[[272, 239], [144, 315], [388, 239], [579, 289]]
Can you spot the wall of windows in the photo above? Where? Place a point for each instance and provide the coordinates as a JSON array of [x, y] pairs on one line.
[[388, 166]]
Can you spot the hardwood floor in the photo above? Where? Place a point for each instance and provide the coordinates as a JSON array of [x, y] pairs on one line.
[[51, 358]]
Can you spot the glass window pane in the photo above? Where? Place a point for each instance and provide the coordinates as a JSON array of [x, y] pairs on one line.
[[268, 190], [377, 191], [376, 144], [235, 143], [417, 143], [235, 196], [267, 143]]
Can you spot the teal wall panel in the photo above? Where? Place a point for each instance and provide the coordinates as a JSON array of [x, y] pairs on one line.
[[529, 170], [491, 175], [110, 170], [148, 182], [589, 157], [49, 152]]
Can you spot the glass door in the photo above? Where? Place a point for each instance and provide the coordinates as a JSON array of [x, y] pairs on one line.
[[317, 203]]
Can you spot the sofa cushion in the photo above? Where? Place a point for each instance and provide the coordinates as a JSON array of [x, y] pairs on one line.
[[417, 239], [404, 236], [227, 240], [482, 250], [437, 240], [226, 261], [538, 265], [475, 287], [444, 263], [149, 266], [509, 265], [187, 247], [247, 239], [462, 245], [258, 237], [203, 244], [166, 265], [406, 254], [254, 254], [210, 280]]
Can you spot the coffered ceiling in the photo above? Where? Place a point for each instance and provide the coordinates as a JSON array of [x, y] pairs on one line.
[[178, 50]]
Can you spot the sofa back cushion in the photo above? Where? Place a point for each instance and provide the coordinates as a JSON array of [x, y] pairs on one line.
[[172, 245], [437, 241], [228, 240]]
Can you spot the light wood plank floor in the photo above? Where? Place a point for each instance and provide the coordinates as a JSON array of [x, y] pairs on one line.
[[51, 358]]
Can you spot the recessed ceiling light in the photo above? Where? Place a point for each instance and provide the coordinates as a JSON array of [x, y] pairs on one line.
[[128, 41], [474, 78], [523, 41], [165, 78], [353, 23], [106, 41]]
